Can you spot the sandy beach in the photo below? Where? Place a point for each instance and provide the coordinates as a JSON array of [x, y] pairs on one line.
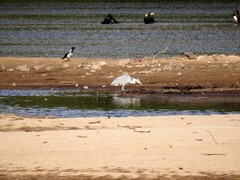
[[178, 147]]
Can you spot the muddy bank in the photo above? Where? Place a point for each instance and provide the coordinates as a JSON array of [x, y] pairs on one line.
[[204, 73]]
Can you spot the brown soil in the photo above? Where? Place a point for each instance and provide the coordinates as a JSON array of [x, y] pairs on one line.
[[203, 73]]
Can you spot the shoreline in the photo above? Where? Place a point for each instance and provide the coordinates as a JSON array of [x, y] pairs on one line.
[[160, 147], [203, 73]]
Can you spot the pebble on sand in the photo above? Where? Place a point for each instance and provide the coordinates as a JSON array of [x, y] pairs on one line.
[[23, 68], [85, 87]]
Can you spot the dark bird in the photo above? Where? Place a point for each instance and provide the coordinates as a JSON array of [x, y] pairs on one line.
[[109, 20], [148, 18], [69, 54], [236, 16]]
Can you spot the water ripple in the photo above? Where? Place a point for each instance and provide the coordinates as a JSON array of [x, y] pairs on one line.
[[49, 29]]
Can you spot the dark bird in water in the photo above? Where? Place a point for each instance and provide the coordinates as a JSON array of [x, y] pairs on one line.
[[109, 20], [236, 16], [69, 54], [148, 18]]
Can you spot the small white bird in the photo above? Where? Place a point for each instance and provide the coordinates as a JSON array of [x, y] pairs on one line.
[[69, 54], [236, 16], [124, 80]]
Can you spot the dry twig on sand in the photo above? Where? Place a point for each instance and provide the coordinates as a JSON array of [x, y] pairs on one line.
[[134, 129], [212, 137], [94, 122]]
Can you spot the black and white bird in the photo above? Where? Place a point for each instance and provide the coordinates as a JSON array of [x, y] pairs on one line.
[[124, 80], [69, 54], [148, 18], [236, 16]]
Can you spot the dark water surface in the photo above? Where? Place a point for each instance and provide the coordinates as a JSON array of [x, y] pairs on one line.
[[50, 29], [73, 103]]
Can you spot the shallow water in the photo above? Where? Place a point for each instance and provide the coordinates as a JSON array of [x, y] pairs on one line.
[[50, 29], [74, 103]]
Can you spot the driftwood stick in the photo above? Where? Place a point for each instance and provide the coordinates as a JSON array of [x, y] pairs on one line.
[[212, 137], [141, 131], [82, 136], [134, 129], [161, 52], [94, 122]]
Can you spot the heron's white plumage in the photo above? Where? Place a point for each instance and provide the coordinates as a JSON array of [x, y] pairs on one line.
[[124, 80]]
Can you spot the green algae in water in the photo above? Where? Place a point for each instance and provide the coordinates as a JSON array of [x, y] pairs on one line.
[[75, 103], [106, 103]]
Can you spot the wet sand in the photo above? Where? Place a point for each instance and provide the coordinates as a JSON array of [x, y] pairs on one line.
[[179, 147], [176, 74]]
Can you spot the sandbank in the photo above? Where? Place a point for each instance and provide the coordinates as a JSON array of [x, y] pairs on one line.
[[198, 73], [176, 147]]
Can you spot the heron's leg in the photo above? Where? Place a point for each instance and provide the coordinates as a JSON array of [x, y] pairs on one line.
[[122, 88]]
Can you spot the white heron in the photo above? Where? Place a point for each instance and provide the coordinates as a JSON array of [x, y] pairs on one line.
[[124, 80], [69, 54]]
